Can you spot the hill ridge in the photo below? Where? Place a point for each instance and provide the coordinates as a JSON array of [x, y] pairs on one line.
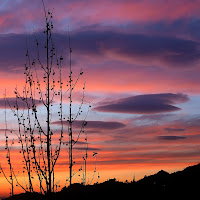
[[180, 183]]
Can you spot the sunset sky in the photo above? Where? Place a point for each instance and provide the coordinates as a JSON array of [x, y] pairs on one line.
[[141, 64]]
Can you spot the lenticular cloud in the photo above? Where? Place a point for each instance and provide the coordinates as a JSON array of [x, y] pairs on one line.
[[144, 104]]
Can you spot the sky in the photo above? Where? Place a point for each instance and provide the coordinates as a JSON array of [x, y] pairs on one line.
[[141, 64]]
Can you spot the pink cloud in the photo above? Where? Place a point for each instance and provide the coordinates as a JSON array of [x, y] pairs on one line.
[[127, 11], [96, 12]]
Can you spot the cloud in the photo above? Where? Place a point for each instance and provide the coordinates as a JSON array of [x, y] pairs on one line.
[[154, 117], [95, 124], [144, 104], [171, 137], [109, 45], [157, 50], [11, 102], [138, 48], [174, 129], [93, 12], [89, 149]]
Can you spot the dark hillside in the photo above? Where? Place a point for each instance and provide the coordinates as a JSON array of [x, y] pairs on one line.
[[161, 185]]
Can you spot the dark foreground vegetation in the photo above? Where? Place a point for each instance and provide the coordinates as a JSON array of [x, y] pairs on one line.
[[178, 185]]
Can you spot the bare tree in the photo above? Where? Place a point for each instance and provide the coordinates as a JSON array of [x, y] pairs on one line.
[[36, 140], [44, 83]]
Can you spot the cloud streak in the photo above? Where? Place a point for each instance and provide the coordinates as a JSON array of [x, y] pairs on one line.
[[99, 125], [13, 102], [171, 137], [174, 129]]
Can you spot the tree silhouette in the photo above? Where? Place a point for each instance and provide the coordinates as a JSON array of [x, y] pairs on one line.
[[45, 83], [41, 87]]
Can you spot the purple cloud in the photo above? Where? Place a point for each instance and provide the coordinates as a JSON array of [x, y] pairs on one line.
[[171, 137], [95, 124], [89, 149], [134, 48], [13, 103], [144, 104], [139, 48]]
